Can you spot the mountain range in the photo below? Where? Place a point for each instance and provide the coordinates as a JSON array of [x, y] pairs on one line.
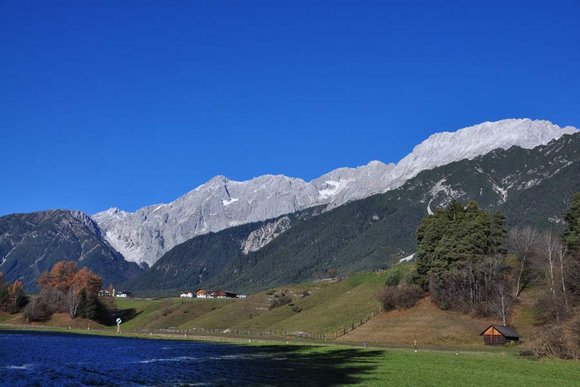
[[531, 186], [277, 229], [146, 234], [33, 243]]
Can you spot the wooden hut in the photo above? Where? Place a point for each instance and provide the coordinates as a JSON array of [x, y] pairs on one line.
[[499, 334]]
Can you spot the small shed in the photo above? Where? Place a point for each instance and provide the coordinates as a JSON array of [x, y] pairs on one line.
[[499, 334]]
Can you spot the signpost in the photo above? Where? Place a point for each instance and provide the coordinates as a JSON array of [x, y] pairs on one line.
[[119, 321]]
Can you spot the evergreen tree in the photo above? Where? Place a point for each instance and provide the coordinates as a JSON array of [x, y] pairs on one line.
[[498, 234], [572, 233], [91, 307], [455, 235]]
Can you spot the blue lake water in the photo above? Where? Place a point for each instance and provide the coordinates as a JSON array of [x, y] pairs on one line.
[[47, 359]]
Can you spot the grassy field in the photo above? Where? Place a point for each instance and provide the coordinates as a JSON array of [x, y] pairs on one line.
[[325, 308], [315, 308], [167, 312], [373, 367]]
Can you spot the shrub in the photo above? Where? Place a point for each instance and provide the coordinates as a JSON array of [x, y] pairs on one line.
[[36, 310], [279, 301], [549, 309], [400, 297], [401, 274], [556, 342]]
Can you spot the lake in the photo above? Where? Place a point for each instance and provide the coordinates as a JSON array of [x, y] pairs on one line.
[[33, 358]]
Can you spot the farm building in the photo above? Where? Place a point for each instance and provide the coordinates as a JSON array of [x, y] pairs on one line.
[[224, 294], [186, 295], [204, 293], [499, 334], [123, 294]]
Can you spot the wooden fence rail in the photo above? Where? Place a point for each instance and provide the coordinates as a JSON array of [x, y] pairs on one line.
[[251, 333]]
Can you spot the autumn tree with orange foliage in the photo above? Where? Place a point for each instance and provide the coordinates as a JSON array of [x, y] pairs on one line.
[[12, 296], [64, 288]]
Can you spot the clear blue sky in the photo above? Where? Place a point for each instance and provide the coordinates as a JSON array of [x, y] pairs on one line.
[[130, 103]]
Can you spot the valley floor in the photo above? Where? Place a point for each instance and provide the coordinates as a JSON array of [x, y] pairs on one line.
[[346, 312]]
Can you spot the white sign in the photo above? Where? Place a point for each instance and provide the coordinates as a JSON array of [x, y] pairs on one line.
[[119, 321]]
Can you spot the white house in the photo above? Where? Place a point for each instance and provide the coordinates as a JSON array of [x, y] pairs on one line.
[[186, 295]]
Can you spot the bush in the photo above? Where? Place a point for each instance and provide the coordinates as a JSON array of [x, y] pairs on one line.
[[550, 309], [401, 274], [400, 297], [279, 301], [557, 342], [90, 306], [36, 310]]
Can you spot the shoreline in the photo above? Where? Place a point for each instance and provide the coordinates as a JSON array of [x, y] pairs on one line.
[[237, 340]]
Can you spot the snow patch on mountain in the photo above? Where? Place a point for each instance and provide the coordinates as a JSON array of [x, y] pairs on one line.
[[230, 201], [328, 192]]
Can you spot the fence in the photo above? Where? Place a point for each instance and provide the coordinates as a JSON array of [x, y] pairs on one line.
[[235, 332], [356, 324], [257, 334]]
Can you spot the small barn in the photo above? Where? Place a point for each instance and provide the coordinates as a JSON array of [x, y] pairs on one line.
[[499, 334]]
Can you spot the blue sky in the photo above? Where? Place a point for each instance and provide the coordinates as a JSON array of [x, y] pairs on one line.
[[130, 103]]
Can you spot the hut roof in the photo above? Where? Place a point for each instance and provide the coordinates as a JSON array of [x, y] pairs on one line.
[[506, 331]]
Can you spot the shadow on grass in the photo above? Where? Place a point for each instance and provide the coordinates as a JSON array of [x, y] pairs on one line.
[[109, 316], [301, 365]]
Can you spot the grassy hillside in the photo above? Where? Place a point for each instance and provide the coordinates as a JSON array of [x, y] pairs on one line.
[[426, 323], [313, 309], [316, 308], [327, 308], [167, 312]]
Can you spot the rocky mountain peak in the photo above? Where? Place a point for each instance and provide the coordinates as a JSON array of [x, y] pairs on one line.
[[220, 203]]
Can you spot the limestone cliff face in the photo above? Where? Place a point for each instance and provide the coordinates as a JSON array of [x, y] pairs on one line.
[[265, 234]]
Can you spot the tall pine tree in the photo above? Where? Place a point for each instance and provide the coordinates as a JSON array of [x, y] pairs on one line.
[[498, 234], [572, 233]]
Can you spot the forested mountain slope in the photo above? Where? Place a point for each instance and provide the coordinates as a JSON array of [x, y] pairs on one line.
[[33, 243], [529, 185]]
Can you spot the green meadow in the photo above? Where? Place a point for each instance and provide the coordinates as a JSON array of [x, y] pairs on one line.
[[376, 367]]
